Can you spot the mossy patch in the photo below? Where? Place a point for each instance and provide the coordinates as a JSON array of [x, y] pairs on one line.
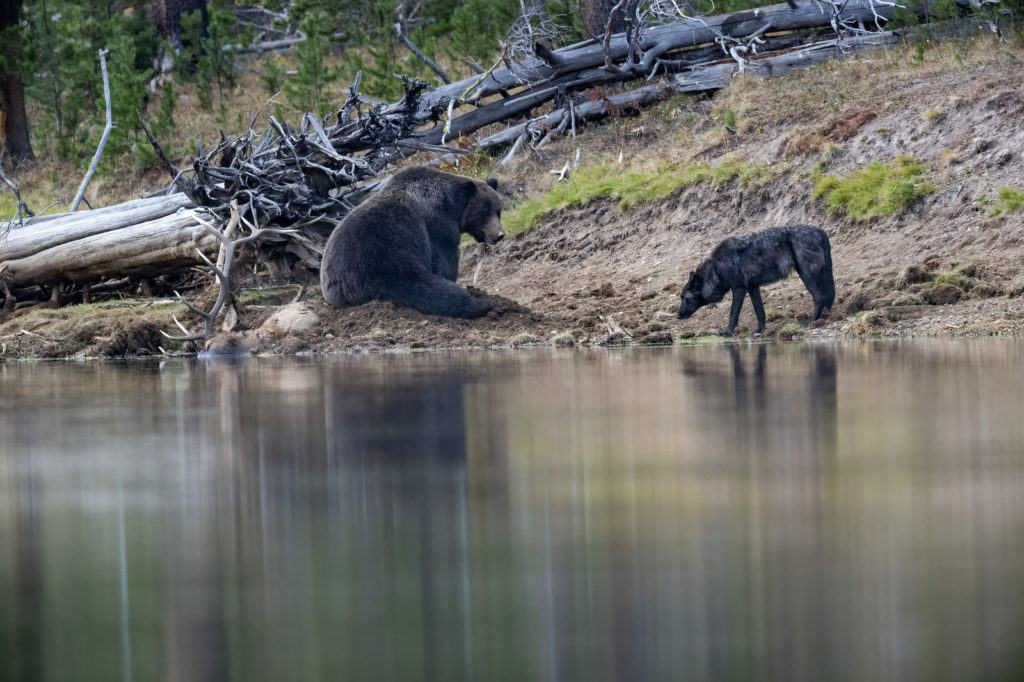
[[564, 340], [524, 339], [1008, 200], [875, 190], [703, 340], [792, 329], [629, 188], [107, 328], [268, 295]]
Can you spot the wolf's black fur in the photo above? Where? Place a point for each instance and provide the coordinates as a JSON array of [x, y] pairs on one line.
[[743, 264], [402, 244]]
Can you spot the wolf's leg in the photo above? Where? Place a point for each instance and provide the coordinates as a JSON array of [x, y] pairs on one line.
[[755, 300], [734, 314], [819, 282], [818, 307]]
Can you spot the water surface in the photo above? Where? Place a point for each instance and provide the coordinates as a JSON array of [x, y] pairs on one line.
[[781, 512]]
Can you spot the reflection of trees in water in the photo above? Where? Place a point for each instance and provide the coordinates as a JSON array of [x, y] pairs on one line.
[[23, 651], [320, 542], [370, 472]]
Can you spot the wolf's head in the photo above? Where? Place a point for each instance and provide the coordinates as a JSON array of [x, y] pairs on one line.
[[700, 290], [691, 296]]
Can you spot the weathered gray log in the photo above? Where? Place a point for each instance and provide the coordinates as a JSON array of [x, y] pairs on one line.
[[656, 42], [588, 110], [716, 76], [142, 237], [675, 46], [527, 99]]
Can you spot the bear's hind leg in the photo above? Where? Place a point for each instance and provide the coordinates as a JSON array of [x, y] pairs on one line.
[[435, 295]]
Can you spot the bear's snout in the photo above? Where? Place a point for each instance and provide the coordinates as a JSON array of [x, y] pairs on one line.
[[501, 235]]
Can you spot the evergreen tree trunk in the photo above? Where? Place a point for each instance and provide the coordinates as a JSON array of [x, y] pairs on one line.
[[12, 90], [166, 15], [595, 17]]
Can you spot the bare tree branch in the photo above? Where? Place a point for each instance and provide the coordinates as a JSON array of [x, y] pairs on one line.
[[416, 51], [103, 140]]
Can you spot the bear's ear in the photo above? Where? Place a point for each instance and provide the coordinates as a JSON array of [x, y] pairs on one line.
[[464, 191], [689, 282], [492, 183]]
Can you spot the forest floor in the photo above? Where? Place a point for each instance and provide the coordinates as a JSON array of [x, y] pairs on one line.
[[951, 264]]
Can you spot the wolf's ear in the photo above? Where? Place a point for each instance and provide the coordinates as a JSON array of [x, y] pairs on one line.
[[690, 281], [492, 183]]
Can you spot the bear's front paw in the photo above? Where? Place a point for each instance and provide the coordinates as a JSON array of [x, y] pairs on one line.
[[481, 306]]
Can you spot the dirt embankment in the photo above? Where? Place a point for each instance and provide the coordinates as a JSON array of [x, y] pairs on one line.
[[595, 275]]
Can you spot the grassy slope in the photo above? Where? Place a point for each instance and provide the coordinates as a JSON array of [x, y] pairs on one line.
[[679, 143]]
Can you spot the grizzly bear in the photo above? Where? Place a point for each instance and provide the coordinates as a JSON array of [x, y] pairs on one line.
[[402, 244]]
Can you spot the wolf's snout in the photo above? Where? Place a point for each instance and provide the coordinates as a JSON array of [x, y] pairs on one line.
[[501, 235]]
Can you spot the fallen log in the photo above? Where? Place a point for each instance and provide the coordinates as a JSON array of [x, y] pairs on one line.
[[146, 237], [658, 41], [719, 75], [527, 99], [684, 45], [701, 78], [639, 97]]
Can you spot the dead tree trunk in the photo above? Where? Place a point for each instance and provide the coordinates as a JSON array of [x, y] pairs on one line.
[[12, 89]]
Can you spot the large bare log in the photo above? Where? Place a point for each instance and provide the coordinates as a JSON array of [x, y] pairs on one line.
[[639, 97], [144, 237], [529, 98], [47, 231], [715, 76], [655, 43]]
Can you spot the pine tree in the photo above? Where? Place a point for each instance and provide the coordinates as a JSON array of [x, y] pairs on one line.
[[306, 91]]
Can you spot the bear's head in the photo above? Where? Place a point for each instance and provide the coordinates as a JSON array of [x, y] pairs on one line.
[[481, 217]]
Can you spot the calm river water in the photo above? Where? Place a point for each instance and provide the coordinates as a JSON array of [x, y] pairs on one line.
[[782, 512]]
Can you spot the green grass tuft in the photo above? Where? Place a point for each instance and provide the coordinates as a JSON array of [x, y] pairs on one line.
[[875, 190], [629, 188], [705, 340], [36, 200], [1008, 200]]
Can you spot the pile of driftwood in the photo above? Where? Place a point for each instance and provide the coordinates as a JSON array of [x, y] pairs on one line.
[[300, 178], [291, 184]]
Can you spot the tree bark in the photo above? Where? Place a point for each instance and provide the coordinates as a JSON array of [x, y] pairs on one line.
[[595, 17], [12, 90], [166, 15]]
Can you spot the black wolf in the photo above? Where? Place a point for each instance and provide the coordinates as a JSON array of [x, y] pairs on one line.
[[743, 264]]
